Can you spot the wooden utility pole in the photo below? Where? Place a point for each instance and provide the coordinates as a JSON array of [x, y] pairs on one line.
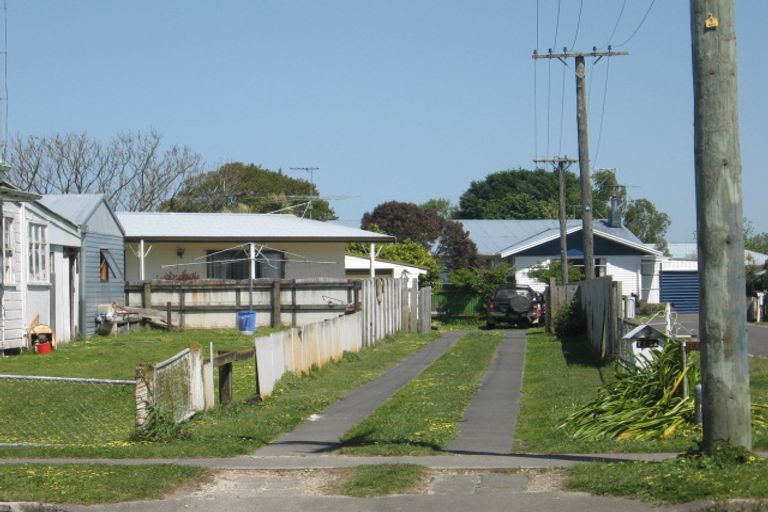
[[583, 139], [720, 234], [561, 165]]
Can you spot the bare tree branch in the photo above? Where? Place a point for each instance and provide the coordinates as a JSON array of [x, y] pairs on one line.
[[133, 170]]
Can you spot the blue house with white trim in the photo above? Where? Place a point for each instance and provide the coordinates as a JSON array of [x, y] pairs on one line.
[[527, 243]]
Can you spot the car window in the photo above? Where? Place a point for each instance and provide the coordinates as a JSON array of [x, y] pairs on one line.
[[506, 293]]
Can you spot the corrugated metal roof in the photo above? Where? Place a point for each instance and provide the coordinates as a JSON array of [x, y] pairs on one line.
[[238, 226], [690, 251], [75, 207], [511, 235]]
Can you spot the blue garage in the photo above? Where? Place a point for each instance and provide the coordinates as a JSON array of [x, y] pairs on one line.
[[681, 289]]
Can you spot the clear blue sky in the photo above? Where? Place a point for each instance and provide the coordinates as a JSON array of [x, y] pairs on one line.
[[392, 99]]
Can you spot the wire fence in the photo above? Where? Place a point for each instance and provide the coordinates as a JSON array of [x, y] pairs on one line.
[[65, 411], [172, 386]]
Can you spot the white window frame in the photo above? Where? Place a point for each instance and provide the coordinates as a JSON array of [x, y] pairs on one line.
[[9, 251], [38, 253]]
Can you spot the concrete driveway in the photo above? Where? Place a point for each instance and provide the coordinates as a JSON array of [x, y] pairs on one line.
[[757, 334]]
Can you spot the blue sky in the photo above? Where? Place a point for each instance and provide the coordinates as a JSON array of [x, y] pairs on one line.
[[391, 99]]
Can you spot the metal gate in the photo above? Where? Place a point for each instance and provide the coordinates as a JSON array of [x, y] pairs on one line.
[[681, 289]]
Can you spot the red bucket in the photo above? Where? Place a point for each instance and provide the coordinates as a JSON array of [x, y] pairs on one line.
[[43, 348]]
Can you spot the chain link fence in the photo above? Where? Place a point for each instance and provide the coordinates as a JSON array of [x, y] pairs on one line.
[[65, 411]]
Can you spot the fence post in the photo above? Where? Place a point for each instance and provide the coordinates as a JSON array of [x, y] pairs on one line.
[[145, 383], [275, 321], [168, 317], [146, 295], [225, 382], [196, 388]]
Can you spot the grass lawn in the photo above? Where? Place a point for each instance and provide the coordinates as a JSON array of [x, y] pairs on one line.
[[678, 480], [241, 427], [422, 417], [93, 483], [560, 377], [382, 479]]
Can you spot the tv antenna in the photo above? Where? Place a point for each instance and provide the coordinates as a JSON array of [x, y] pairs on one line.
[[308, 170]]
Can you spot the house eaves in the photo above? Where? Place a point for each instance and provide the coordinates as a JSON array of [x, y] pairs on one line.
[[538, 240]]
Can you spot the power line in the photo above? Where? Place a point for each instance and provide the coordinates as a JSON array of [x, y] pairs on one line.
[[562, 112], [642, 21], [602, 111], [578, 24], [616, 26]]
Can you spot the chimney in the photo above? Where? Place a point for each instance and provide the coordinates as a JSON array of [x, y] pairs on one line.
[[614, 217]]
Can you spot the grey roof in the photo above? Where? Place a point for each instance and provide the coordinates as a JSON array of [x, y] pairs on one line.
[[76, 207], [508, 237], [239, 226], [690, 251]]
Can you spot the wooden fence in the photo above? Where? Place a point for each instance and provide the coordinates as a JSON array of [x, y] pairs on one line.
[[601, 304], [214, 303]]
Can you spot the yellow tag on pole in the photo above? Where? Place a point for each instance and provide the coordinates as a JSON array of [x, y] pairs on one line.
[[711, 22]]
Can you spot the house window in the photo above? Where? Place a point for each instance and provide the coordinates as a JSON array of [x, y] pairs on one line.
[[236, 264], [600, 265], [38, 253], [107, 265], [9, 241]]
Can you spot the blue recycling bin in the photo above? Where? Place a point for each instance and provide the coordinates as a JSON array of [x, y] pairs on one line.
[[246, 322]]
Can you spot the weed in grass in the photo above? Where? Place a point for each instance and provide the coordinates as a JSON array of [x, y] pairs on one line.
[[383, 479], [683, 479], [160, 427], [93, 483]]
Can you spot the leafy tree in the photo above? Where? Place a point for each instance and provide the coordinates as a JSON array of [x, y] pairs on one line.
[[455, 249], [136, 171], [442, 206], [482, 280], [238, 187], [406, 222], [411, 253], [647, 223], [524, 194], [544, 272], [757, 242], [518, 194]]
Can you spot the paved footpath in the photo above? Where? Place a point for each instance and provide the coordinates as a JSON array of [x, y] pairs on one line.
[[489, 421], [322, 432]]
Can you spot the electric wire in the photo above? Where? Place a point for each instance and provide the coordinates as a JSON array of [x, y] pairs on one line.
[[535, 92], [549, 74], [642, 21], [5, 81], [616, 25], [602, 111], [578, 25], [562, 112]]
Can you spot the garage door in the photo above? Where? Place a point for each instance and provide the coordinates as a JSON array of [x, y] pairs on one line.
[[681, 289]]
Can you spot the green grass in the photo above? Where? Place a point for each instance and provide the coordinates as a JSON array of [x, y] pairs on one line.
[[106, 357], [93, 483], [674, 481], [382, 479], [422, 417], [758, 383], [560, 377], [244, 427]]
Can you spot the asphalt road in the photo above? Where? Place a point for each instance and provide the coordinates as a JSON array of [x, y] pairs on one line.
[[757, 334]]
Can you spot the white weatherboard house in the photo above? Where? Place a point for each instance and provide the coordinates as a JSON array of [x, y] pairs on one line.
[[359, 267], [40, 275], [217, 245], [527, 243]]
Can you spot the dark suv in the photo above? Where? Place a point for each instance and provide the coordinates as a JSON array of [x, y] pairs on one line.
[[515, 304]]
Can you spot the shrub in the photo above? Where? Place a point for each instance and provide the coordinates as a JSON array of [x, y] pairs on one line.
[[569, 320], [160, 427]]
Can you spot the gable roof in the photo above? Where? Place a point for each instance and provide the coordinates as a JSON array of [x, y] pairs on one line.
[[511, 236], [239, 226], [78, 207]]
